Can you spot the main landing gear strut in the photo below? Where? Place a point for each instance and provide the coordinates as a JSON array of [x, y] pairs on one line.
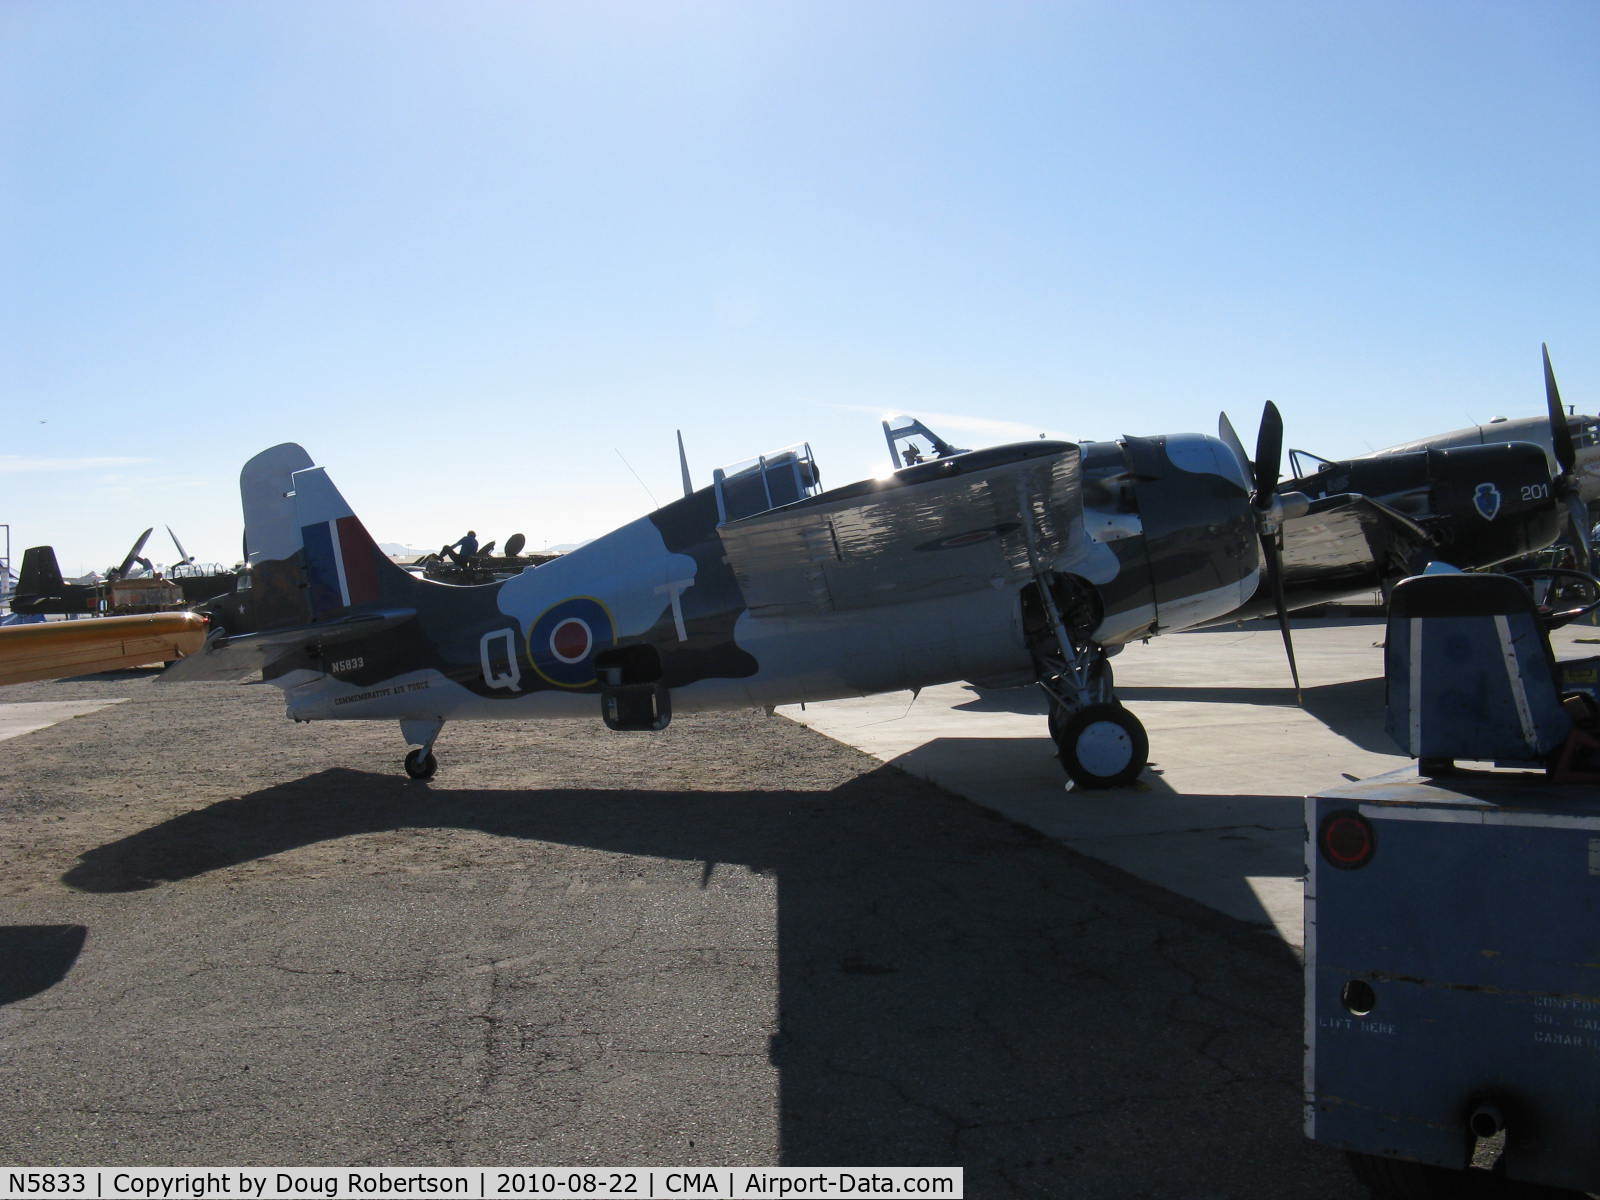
[[421, 732], [1100, 743]]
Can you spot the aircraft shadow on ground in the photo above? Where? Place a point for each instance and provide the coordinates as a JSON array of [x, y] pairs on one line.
[[34, 958], [1354, 709], [952, 989], [1147, 819]]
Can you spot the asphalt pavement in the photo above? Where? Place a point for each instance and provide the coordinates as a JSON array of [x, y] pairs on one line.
[[1219, 814], [230, 940]]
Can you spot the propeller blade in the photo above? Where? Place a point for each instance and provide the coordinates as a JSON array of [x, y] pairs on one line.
[[1269, 551], [138, 547], [1228, 434], [1269, 455], [1578, 516], [1560, 433], [183, 555]]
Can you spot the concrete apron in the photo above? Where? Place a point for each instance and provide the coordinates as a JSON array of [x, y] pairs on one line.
[[1218, 815], [25, 717]]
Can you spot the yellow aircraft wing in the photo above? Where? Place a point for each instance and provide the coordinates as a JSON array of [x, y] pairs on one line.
[[52, 649]]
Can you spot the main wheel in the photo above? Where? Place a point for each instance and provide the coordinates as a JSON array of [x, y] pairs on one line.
[[1100, 745], [421, 765]]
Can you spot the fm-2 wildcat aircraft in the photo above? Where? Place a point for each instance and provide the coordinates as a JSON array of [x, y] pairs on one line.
[[1024, 563]]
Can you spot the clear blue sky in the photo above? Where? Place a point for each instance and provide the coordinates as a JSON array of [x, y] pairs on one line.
[[468, 252]]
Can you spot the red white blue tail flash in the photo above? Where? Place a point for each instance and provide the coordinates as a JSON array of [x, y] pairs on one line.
[[341, 558]]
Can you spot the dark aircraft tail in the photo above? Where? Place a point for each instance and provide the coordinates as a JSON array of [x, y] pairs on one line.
[[40, 575]]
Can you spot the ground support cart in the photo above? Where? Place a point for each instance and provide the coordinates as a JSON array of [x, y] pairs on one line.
[[1452, 941]]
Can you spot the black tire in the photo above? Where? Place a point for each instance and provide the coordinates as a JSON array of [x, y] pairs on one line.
[[420, 765], [1100, 745]]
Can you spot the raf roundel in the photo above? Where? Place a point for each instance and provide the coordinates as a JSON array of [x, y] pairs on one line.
[[570, 640], [563, 642]]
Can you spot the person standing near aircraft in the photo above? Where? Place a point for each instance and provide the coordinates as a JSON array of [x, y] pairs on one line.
[[460, 551]]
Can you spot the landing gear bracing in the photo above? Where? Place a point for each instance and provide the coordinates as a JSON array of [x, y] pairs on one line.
[[1100, 743]]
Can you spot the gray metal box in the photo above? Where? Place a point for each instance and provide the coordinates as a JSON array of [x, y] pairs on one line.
[[1452, 943]]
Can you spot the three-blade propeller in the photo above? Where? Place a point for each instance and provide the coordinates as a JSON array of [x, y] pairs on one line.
[[1263, 476], [1271, 509], [1566, 483]]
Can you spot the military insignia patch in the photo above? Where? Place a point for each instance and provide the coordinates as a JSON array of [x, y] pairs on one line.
[[1487, 501], [563, 642]]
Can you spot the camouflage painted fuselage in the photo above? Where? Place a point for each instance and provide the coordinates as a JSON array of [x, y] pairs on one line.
[[1161, 534]]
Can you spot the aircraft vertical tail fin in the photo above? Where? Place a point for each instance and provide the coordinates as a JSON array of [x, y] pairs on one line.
[[310, 557], [40, 574], [344, 567], [277, 596]]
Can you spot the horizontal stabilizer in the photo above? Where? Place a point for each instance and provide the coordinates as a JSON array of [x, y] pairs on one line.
[[225, 657]]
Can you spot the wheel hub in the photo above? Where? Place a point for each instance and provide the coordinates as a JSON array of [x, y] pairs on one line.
[[1104, 747]]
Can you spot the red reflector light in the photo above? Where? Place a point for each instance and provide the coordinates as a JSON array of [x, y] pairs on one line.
[[1347, 840]]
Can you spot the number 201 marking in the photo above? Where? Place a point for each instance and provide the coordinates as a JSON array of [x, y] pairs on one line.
[[1536, 491]]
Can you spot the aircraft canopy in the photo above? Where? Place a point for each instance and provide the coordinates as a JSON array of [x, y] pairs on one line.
[[765, 482]]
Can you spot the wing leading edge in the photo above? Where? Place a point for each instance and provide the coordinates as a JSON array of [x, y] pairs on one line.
[[936, 529]]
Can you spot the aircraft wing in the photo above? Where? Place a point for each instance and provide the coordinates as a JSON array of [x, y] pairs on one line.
[[223, 657], [53, 649], [937, 529]]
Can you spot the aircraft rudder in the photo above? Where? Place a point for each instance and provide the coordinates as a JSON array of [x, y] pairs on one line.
[[345, 568]]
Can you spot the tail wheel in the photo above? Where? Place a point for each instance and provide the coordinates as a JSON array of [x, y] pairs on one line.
[[1100, 745], [421, 764]]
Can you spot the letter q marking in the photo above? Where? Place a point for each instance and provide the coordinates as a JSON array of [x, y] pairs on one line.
[[500, 669]]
